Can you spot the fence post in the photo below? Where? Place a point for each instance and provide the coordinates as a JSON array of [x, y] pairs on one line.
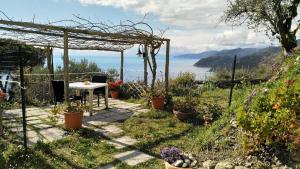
[[23, 98], [232, 80]]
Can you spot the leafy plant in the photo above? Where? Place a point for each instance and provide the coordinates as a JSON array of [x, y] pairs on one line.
[[171, 155], [185, 104], [67, 107], [182, 85], [115, 86], [269, 115], [211, 111], [157, 91]]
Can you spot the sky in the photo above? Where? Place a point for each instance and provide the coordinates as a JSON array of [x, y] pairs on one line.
[[192, 25]]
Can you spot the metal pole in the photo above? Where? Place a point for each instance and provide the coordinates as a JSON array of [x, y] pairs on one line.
[[167, 65], [23, 98], [232, 80], [122, 66]]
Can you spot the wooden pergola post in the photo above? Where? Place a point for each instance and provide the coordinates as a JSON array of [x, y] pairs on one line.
[[66, 65], [50, 69], [167, 65], [145, 56], [122, 66]]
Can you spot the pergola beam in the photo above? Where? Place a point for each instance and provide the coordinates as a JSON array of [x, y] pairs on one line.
[[73, 30], [70, 36], [77, 48], [66, 65]]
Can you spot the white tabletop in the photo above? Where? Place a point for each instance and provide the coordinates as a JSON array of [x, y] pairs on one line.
[[82, 85]]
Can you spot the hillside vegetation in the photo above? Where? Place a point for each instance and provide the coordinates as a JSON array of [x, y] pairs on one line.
[[246, 58]]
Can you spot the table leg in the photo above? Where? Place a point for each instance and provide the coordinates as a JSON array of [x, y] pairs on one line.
[[106, 96], [91, 101]]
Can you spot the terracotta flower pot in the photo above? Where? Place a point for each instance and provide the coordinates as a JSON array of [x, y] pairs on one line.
[[169, 166], [114, 94], [158, 102], [73, 120], [2, 96], [183, 116]]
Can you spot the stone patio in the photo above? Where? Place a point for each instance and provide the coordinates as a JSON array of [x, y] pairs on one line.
[[102, 121], [122, 142], [133, 157]]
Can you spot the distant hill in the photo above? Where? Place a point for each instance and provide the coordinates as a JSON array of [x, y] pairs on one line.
[[247, 58], [197, 55]]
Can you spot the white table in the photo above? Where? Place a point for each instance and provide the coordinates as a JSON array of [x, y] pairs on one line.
[[90, 87]]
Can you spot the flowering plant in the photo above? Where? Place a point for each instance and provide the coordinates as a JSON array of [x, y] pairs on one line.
[[115, 86], [171, 155]]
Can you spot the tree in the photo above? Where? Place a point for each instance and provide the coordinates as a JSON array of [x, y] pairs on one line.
[[276, 17]]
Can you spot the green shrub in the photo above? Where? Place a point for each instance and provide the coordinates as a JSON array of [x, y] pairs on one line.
[[210, 110], [182, 85], [185, 104], [269, 114]]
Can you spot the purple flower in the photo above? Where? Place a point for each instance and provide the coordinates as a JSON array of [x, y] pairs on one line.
[[253, 93], [170, 155]]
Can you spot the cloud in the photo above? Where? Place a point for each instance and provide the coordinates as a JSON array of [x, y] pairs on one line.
[[195, 24], [182, 13]]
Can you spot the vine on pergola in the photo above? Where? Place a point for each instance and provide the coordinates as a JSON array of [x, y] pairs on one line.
[[84, 34]]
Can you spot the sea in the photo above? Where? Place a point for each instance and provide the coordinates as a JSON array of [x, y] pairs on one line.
[[134, 66]]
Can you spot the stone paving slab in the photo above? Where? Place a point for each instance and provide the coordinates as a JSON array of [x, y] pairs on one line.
[[133, 157], [109, 166], [42, 126], [52, 134], [96, 123], [109, 130], [122, 142]]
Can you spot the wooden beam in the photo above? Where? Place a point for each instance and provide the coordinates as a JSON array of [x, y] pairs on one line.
[[122, 66], [77, 48], [66, 65], [145, 56], [50, 70], [167, 65], [70, 36], [73, 30]]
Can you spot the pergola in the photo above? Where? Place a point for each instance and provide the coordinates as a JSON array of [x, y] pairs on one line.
[[85, 35]]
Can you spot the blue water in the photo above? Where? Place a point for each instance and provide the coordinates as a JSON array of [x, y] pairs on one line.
[[133, 66]]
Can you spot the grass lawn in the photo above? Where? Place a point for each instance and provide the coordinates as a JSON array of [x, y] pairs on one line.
[[154, 130]]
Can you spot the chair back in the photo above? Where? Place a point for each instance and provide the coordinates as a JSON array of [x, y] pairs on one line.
[[58, 90], [99, 79]]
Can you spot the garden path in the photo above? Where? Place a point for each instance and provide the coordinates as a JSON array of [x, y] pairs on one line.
[[41, 129]]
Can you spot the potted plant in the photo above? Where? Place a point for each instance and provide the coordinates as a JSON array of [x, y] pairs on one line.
[[115, 88], [2, 95], [73, 115], [175, 159], [157, 96], [184, 107]]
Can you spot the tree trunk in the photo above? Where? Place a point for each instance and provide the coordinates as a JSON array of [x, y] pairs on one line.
[[289, 42], [154, 67]]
